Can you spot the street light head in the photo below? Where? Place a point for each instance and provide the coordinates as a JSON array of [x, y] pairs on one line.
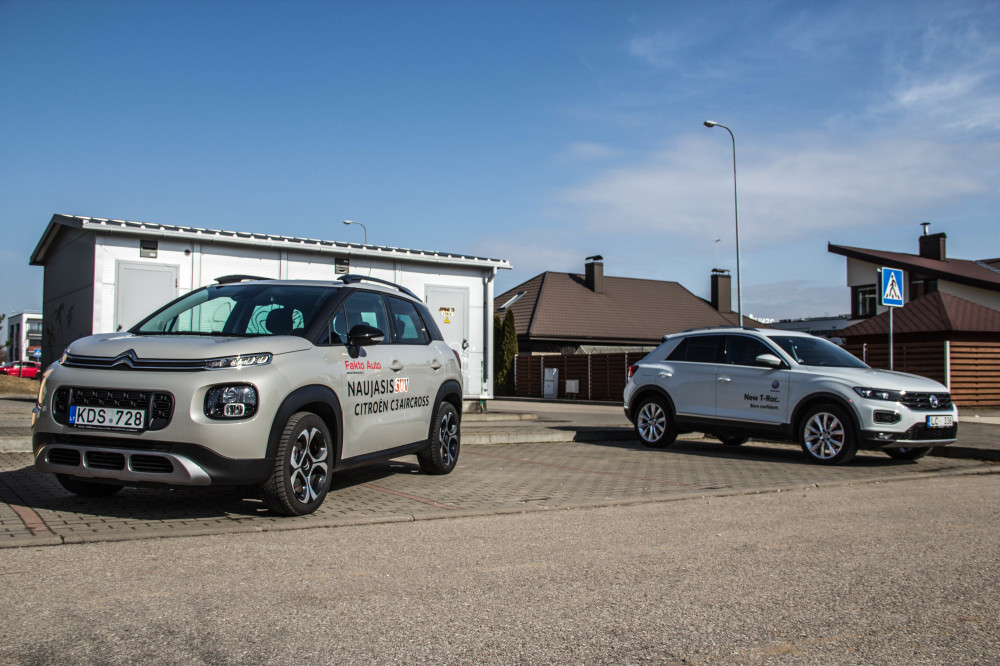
[[710, 123], [347, 222]]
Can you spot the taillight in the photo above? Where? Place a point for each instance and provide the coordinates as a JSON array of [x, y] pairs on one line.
[[631, 370], [457, 358]]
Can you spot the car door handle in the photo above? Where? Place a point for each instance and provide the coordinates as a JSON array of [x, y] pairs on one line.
[[666, 374], [436, 364], [395, 366], [725, 380]]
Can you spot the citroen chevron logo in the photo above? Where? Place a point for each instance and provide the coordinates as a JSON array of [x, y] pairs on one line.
[[125, 358]]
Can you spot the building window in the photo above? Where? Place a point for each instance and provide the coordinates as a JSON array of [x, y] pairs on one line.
[[921, 286], [863, 299]]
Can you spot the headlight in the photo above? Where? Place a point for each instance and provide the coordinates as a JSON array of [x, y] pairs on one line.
[[231, 401], [237, 361], [879, 394]]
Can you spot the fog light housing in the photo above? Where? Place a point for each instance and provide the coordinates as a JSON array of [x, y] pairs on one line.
[[231, 402], [886, 417]]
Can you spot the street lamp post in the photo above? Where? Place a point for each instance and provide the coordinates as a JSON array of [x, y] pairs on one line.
[[360, 225], [739, 282]]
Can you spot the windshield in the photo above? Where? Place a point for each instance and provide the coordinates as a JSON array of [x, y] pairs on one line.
[[240, 310], [816, 351]]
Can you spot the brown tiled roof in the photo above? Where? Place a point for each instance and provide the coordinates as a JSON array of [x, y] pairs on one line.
[[984, 274], [938, 312], [559, 306]]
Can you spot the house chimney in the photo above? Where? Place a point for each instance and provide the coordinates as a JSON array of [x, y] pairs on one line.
[[594, 273], [722, 293], [932, 245]]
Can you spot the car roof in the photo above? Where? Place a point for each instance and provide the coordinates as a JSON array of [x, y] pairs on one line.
[[351, 281], [719, 330]]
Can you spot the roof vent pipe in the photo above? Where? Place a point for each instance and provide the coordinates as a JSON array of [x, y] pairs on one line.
[[926, 226]]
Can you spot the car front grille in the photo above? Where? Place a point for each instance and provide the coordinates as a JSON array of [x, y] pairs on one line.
[[924, 401], [158, 405], [921, 432]]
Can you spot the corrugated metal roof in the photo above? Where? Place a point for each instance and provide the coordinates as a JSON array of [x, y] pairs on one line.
[[272, 241]]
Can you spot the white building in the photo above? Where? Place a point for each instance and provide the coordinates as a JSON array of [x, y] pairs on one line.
[[24, 336], [106, 275]]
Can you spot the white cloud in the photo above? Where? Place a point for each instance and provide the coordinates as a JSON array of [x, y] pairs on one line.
[[791, 190]]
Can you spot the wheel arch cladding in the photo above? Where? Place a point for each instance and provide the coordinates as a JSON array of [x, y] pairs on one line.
[[817, 399], [450, 391], [648, 391], [320, 400]]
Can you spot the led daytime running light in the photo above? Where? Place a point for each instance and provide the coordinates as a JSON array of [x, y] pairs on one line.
[[238, 361], [879, 394]]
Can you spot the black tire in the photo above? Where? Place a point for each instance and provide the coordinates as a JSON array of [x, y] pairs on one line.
[[733, 440], [827, 435], [78, 486], [441, 454], [654, 424], [300, 479], [908, 452]]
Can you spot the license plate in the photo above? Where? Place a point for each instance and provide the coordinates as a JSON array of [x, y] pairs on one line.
[[940, 421], [108, 418]]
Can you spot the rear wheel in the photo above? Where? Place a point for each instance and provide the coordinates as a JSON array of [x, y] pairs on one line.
[[446, 441], [827, 435], [300, 479], [908, 452], [83, 488], [653, 424]]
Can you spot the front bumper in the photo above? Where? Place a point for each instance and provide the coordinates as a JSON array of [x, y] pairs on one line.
[[133, 462]]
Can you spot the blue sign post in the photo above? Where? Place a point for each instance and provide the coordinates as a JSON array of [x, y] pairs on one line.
[[890, 295]]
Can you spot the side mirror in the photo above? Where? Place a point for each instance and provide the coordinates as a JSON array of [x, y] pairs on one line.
[[363, 335], [769, 360]]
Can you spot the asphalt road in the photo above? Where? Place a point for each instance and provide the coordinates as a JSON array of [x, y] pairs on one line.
[[868, 573]]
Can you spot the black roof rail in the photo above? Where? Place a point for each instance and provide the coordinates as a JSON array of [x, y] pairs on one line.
[[232, 279], [352, 278]]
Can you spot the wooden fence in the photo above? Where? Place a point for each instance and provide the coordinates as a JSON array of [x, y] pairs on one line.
[[974, 369], [600, 376]]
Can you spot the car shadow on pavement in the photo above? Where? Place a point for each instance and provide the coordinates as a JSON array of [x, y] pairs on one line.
[[41, 492], [777, 452]]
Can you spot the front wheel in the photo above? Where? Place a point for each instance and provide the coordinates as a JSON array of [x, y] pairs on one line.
[[87, 488], [300, 479], [908, 452], [653, 424], [441, 455], [827, 435]]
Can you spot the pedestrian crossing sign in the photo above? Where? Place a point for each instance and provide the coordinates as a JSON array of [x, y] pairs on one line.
[[891, 293]]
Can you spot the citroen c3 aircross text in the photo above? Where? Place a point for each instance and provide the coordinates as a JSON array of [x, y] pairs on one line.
[[740, 382], [266, 382]]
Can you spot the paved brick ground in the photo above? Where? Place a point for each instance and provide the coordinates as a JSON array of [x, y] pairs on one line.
[[35, 510]]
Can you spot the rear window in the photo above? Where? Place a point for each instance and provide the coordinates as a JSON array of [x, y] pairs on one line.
[[697, 349]]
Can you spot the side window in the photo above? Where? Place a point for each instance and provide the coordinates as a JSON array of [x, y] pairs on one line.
[[697, 349], [744, 350], [407, 326], [337, 329], [365, 307]]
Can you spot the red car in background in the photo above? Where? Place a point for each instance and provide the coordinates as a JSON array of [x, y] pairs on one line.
[[26, 369]]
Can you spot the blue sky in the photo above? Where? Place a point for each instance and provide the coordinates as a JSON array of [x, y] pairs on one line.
[[538, 132]]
